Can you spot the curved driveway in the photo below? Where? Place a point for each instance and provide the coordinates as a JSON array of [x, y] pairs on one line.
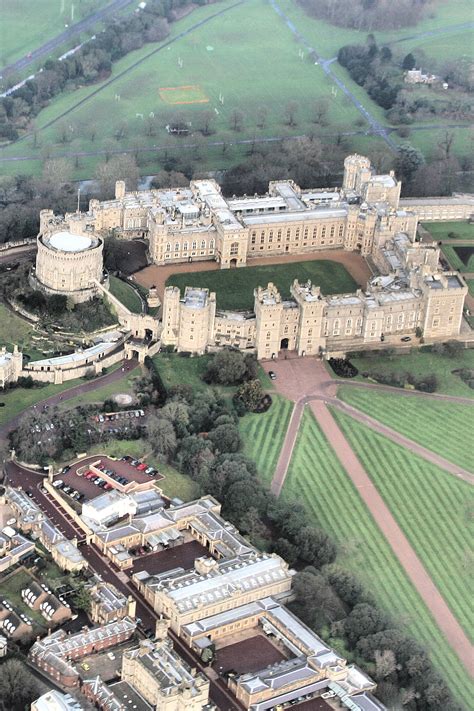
[[85, 387]]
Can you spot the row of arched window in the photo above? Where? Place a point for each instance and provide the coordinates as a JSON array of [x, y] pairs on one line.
[[185, 246]]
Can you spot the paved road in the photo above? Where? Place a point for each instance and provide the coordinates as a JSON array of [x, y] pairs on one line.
[[432, 33], [307, 382], [31, 481], [65, 36], [374, 124], [65, 395], [19, 254]]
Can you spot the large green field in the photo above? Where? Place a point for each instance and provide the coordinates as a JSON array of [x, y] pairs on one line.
[[234, 287], [317, 479], [421, 363], [28, 24], [218, 59], [433, 508], [443, 427], [263, 435]]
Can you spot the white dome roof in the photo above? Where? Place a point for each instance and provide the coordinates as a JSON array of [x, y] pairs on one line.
[[67, 242]]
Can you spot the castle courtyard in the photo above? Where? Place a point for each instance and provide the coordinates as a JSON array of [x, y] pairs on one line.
[[158, 275]]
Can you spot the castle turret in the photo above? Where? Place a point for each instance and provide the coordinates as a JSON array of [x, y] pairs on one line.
[[357, 171], [119, 189], [268, 310]]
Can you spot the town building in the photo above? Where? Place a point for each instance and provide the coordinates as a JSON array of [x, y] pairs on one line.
[[109, 604], [57, 654], [38, 597], [56, 701], [163, 679], [13, 548], [13, 625], [119, 696], [30, 519]]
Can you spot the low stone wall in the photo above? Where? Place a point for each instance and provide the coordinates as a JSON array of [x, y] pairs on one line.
[[15, 245], [60, 374]]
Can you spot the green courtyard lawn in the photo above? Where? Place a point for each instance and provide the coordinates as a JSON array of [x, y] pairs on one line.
[[459, 257], [441, 230], [126, 294], [263, 435], [317, 479], [234, 287], [422, 363], [433, 508], [443, 427], [104, 392]]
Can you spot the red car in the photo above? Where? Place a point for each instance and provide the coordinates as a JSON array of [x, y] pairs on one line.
[[141, 467]]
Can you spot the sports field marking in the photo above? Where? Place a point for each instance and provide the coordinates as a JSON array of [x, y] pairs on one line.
[[190, 94]]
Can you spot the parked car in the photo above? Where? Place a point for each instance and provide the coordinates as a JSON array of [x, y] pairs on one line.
[[272, 375], [141, 467], [405, 339]]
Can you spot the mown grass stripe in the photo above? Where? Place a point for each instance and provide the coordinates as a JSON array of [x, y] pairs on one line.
[[316, 478]]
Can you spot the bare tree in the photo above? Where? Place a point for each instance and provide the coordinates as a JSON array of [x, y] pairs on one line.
[[206, 122], [291, 109], [120, 167], [261, 117], [320, 112], [236, 120]]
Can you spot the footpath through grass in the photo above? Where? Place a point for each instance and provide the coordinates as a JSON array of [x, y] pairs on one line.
[[421, 363], [126, 294], [317, 479], [234, 287], [263, 435], [443, 427], [433, 508]]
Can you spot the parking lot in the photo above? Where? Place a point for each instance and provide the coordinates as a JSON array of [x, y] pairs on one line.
[[247, 656], [87, 487], [182, 556]]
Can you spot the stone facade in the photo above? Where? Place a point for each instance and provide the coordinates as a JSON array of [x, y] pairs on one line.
[[365, 215], [10, 366], [68, 261], [161, 677], [412, 295]]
